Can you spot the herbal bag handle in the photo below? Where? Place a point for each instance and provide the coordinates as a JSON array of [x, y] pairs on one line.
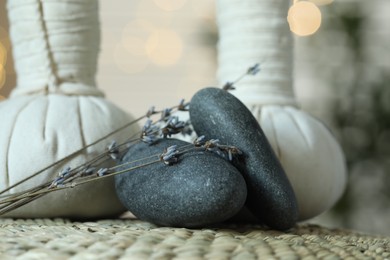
[[55, 45], [56, 108], [254, 31]]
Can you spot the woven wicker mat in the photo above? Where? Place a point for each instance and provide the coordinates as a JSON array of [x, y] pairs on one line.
[[133, 239]]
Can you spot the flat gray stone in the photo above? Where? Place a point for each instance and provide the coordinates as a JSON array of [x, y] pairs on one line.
[[217, 114], [200, 189]]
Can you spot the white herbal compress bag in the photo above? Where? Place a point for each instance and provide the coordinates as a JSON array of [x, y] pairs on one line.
[[56, 108], [254, 31]]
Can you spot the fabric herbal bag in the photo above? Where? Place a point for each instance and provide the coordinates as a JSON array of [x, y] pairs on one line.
[[56, 108], [254, 31]]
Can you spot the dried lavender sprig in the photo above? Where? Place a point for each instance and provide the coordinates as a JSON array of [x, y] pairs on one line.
[[151, 111], [173, 126], [134, 161], [213, 145], [150, 132], [62, 183], [230, 151], [68, 177], [253, 70], [71, 155], [86, 170], [200, 141], [102, 172], [183, 106], [47, 189], [87, 166], [169, 156], [166, 113], [22, 194], [75, 153], [80, 171], [19, 203], [113, 150], [65, 172], [187, 129]]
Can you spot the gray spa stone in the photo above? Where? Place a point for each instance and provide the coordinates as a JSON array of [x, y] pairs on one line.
[[200, 189], [217, 114]]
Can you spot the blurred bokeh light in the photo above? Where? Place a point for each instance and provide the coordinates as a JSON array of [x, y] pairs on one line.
[[304, 18], [154, 52], [164, 47], [7, 73], [135, 34], [2, 76], [3, 59]]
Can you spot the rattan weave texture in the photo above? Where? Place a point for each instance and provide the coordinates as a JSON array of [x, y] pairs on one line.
[[134, 239]]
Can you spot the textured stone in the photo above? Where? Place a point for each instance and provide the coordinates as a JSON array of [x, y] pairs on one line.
[[200, 189], [216, 113]]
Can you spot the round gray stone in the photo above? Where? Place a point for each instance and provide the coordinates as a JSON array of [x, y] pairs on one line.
[[217, 114], [200, 189]]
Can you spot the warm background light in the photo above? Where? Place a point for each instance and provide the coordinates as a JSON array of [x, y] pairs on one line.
[[304, 18], [135, 34], [155, 52], [3, 59], [130, 53], [7, 72], [164, 47], [2, 80]]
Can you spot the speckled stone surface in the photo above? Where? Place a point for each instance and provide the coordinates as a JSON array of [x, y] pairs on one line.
[[216, 113], [200, 189]]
